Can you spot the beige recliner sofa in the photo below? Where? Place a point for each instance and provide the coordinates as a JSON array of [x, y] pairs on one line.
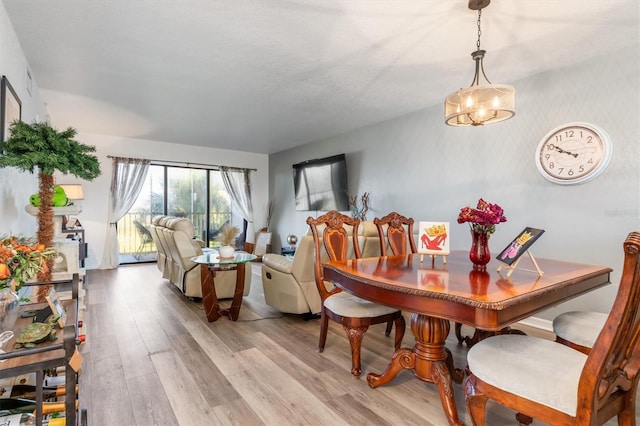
[[289, 284], [164, 257], [174, 238]]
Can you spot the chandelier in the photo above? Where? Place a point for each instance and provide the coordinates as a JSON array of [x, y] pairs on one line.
[[482, 102]]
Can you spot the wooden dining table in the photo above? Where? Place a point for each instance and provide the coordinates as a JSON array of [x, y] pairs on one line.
[[437, 293]]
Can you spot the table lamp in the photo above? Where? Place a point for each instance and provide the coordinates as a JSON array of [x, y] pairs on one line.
[[73, 191], [74, 194]]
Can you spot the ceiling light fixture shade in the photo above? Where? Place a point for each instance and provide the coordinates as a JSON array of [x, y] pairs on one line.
[[482, 102]]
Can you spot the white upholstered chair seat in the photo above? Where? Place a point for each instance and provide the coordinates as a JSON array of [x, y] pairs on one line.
[[536, 369], [579, 327], [348, 305]]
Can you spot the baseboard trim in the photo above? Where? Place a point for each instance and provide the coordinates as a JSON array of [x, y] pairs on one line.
[[538, 323]]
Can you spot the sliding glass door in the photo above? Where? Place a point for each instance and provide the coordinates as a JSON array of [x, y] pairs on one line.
[[197, 194]]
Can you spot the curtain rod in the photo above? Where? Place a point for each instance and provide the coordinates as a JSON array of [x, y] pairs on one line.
[[187, 164]]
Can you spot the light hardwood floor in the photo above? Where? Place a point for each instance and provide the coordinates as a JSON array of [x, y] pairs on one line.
[[151, 358]]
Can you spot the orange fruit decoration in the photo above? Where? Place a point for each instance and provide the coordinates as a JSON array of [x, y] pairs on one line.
[[4, 271]]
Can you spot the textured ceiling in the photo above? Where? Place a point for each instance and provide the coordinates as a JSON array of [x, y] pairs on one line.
[[264, 76]]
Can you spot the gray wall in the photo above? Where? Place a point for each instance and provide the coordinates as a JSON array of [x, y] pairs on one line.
[[420, 167], [17, 186]]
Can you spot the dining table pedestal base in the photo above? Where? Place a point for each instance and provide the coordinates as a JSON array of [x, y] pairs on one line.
[[482, 334], [430, 361]]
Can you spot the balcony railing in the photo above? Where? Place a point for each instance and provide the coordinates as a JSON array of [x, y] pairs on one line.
[[134, 246]]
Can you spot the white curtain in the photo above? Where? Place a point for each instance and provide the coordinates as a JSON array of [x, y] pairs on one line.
[[238, 184], [127, 178]]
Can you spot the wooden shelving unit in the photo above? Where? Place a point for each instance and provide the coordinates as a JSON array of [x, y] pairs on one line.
[[49, 355]]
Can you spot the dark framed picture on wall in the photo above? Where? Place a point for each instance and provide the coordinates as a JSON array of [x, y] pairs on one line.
[[10, 107]]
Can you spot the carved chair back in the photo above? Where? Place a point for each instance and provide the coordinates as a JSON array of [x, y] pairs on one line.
[[330, 236], [399, 234]]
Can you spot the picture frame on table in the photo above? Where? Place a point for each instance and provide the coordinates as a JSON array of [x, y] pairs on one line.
[[56, 307], [10, 107], [433, 238], [519, 245]]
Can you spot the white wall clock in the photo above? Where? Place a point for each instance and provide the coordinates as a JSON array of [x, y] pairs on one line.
[[573, 153]]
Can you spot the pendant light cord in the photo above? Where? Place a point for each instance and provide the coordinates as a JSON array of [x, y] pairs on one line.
[[479, 30]]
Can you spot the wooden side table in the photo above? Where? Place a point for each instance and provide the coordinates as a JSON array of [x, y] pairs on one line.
[[210, 264], [48, 354]]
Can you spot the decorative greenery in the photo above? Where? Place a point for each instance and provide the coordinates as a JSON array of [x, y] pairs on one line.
[[40, 146], [21, 259], [483, 218], [359, 208], [227, 235]]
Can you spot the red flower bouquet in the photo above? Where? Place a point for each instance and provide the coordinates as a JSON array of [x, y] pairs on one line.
[[483, 218]]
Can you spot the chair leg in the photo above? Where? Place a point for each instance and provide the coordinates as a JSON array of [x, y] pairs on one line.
[[458, 330], [476, 406], [324, 326], [476, 403], [627, 416], [355, 335], [400, 327], [387, 332]]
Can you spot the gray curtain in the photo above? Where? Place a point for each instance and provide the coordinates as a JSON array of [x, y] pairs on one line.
[[238, 184], [128, 176]]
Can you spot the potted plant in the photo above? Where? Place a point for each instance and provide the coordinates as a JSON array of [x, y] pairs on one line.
[[41, 146], [227, 239]]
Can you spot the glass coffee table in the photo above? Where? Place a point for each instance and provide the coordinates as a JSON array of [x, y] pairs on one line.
[[210, 264]]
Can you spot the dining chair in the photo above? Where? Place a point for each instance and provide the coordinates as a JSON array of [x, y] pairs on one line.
[[396, 233], [579, 329], [556, 384], [331, 240]]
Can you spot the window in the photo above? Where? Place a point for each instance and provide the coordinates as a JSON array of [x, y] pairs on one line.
[[197, 194]]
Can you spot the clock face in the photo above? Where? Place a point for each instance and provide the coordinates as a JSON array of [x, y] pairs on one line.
[[573, 153]]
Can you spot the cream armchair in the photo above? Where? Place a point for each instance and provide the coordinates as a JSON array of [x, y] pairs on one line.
[[289, 284], [370, 241], [164, 256], [176, 237]]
